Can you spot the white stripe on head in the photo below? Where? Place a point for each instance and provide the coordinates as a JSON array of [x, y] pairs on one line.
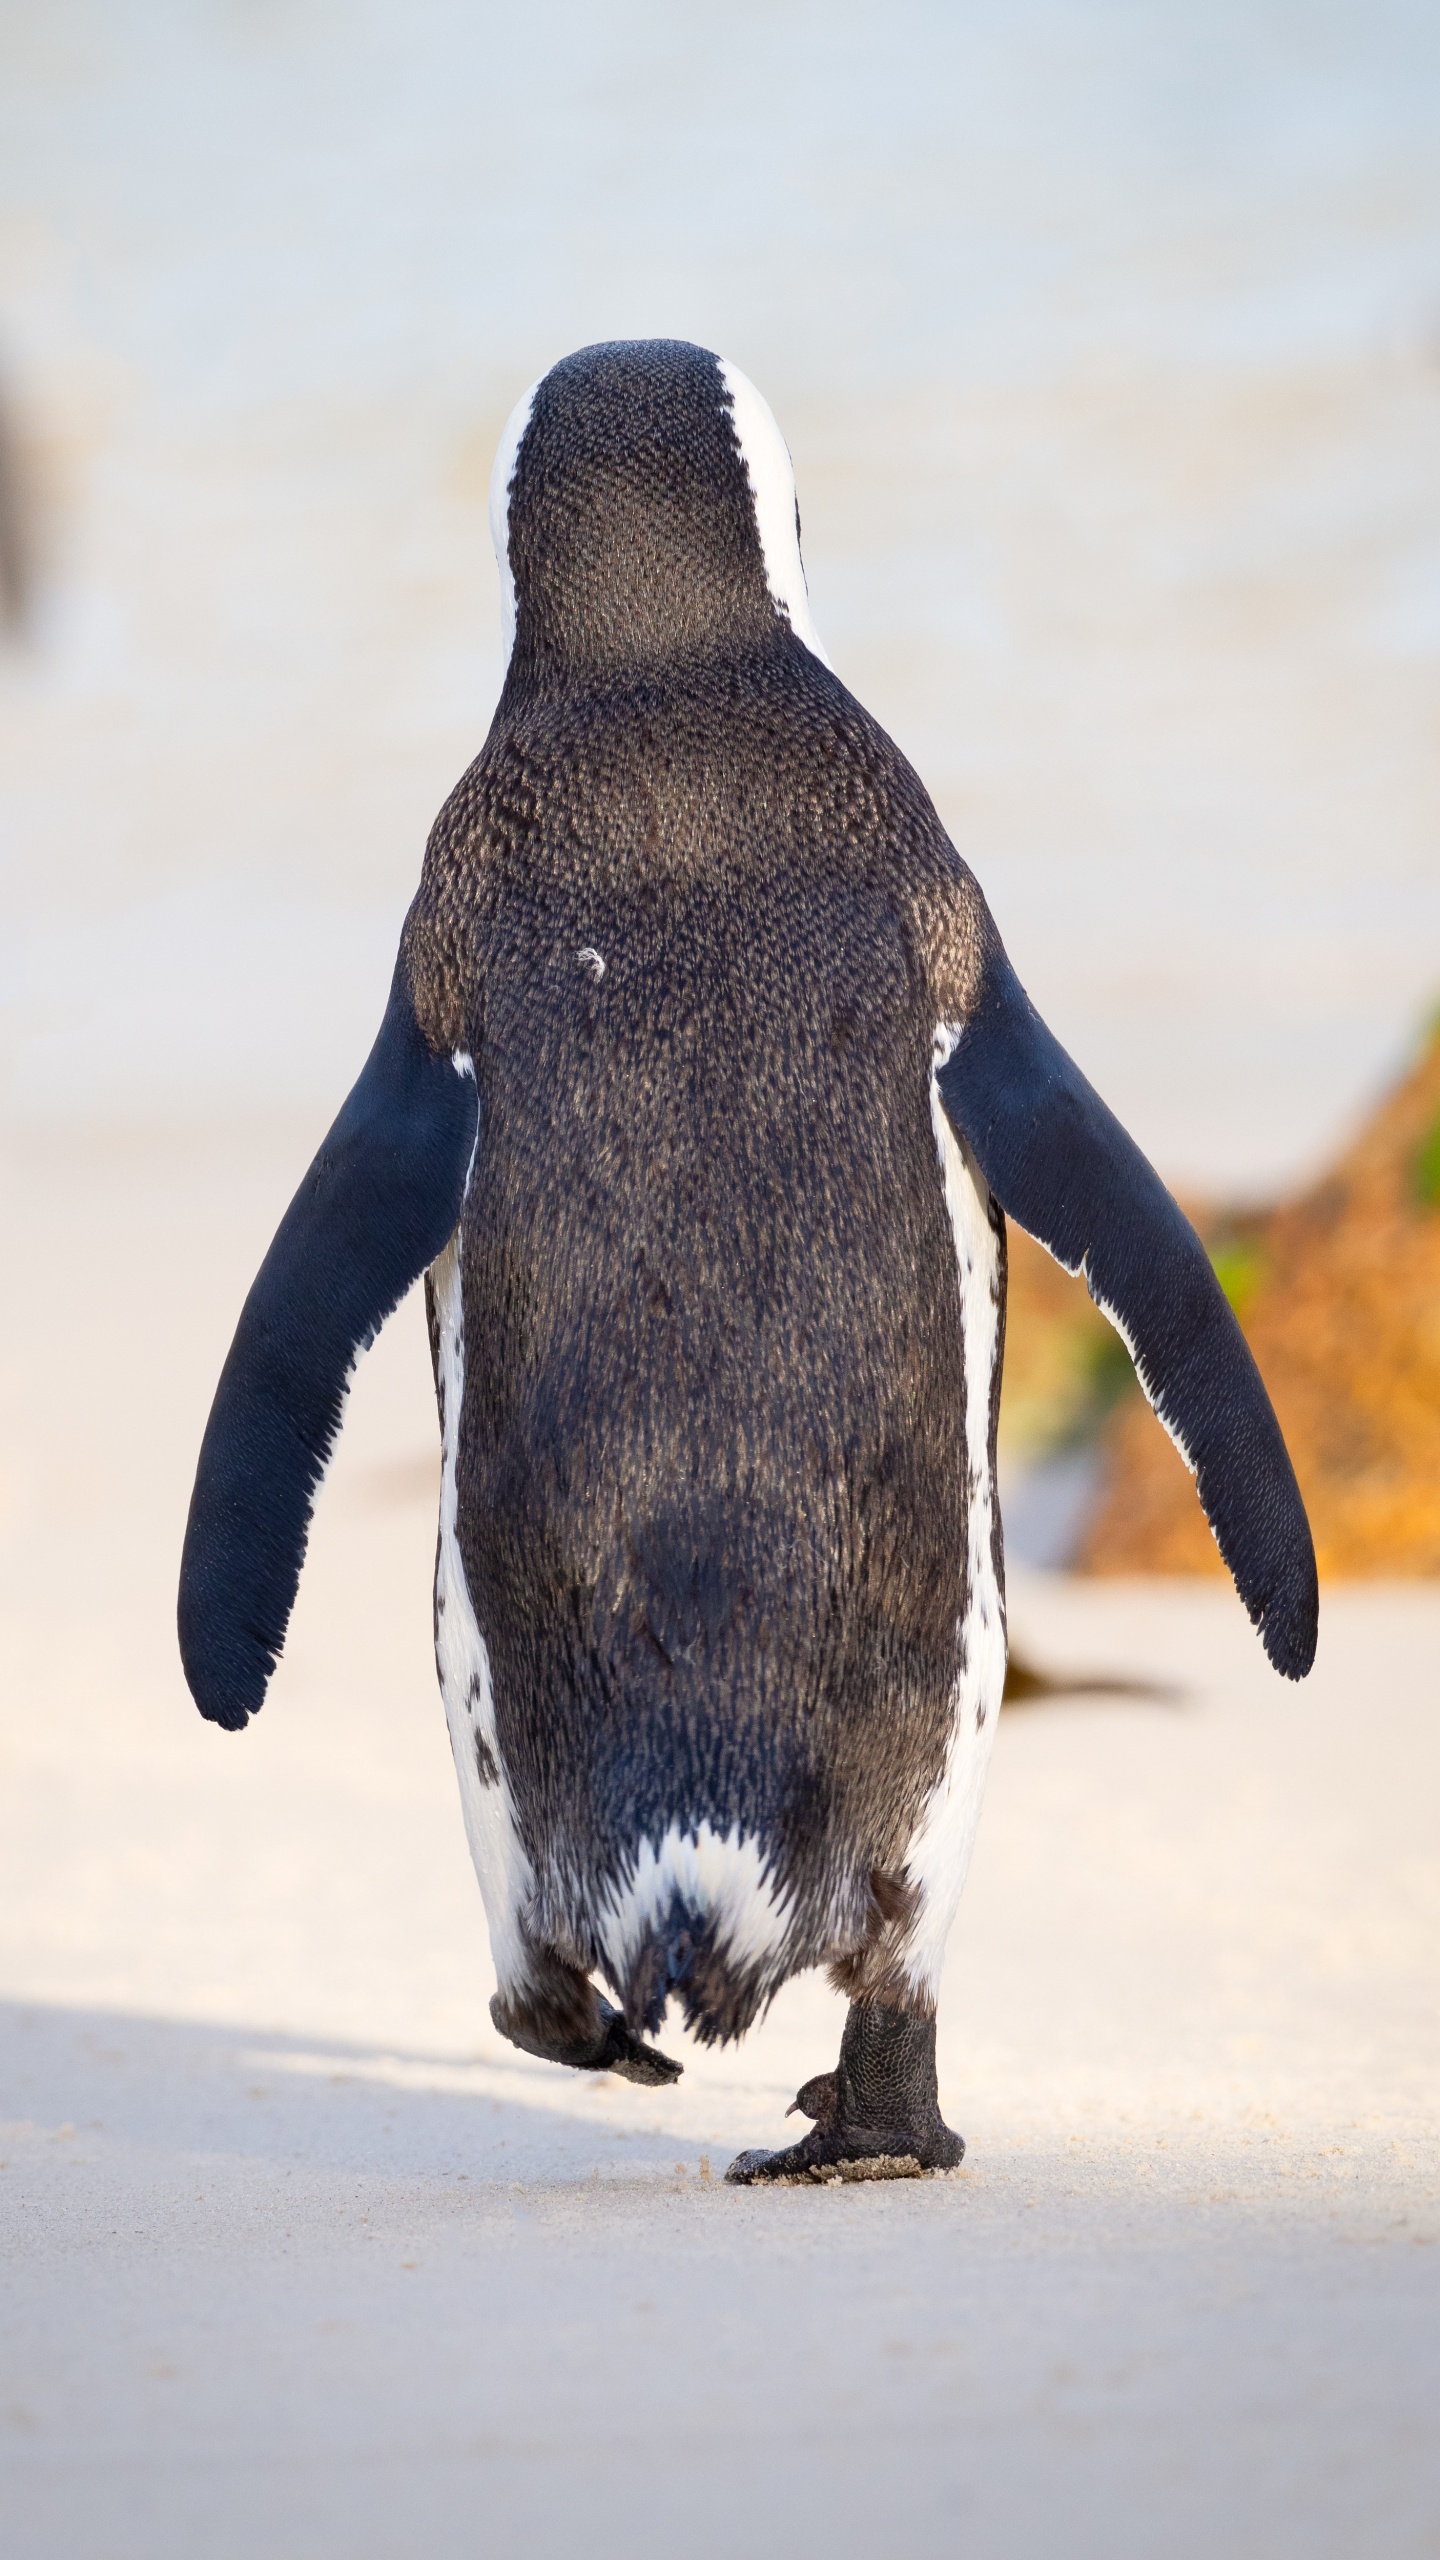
[[500, 480], [771, 475]]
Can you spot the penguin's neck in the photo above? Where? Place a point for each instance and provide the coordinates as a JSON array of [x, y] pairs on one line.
[[641, 632], [618, 584]]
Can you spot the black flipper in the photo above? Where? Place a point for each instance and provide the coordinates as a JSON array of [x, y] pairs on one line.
[[1061, 1165], [378, 1204]]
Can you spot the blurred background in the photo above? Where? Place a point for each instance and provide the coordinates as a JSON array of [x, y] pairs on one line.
[[1107, 342], [1106, 338]]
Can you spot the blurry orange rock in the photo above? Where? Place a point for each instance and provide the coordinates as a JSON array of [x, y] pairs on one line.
[[1339, 1296]]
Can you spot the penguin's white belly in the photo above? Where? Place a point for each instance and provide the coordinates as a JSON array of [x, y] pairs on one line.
[[939, 1853]]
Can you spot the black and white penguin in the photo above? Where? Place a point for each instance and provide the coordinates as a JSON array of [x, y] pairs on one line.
[[703, 1092]]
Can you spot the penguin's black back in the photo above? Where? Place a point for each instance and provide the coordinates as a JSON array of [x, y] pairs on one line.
[[719, 1596], [711, 1473]]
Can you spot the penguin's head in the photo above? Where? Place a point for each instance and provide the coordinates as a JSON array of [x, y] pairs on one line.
[[643, 511]]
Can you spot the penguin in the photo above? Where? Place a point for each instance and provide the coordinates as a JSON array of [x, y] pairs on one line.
[[704, 1091]]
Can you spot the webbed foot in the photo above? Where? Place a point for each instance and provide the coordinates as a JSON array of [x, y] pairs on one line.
[[628, 2054], [876, 2115], [597, 2040]]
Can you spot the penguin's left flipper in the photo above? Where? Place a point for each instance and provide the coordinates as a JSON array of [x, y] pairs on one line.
[[380, 1201], [1060, 1164]]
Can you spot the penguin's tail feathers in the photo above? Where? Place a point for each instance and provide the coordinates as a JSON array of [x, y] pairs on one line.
[[700, 1919], [681, 1958]]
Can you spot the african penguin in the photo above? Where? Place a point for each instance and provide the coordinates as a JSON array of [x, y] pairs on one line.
[[703, 1092]]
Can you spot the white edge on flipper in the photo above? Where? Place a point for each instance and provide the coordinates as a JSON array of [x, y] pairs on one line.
[[500, 480], [724, 1877], [1081, 1270], [939, 1854], [771, 475], [1149, 1393], [463, 1662]]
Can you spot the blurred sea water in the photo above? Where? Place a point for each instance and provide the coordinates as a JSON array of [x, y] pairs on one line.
[[1107, 342]]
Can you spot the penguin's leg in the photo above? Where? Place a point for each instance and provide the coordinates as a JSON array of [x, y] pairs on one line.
[[876, 2115], [554, 2011]]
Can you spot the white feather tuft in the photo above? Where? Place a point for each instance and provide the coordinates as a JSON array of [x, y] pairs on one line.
[[724, 1879]]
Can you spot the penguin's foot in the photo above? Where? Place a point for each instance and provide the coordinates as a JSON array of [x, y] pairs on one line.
[[595, 2040], [876, 2115], [628, 2054]]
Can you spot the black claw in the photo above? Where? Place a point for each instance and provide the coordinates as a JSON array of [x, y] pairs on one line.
[[817, 2099]]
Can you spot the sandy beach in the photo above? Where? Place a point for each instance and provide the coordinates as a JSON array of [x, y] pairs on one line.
[[298, 2253]]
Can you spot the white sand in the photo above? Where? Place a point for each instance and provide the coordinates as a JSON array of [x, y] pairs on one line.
[[299, 2258]]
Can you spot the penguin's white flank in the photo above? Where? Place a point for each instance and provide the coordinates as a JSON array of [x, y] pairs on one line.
[[500, 479], [463, 1662], [771, 475], [725, 1879], [939, 1854]]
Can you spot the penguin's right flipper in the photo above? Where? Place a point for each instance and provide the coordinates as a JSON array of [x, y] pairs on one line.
[[1060, 1164], [380, 1201]]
